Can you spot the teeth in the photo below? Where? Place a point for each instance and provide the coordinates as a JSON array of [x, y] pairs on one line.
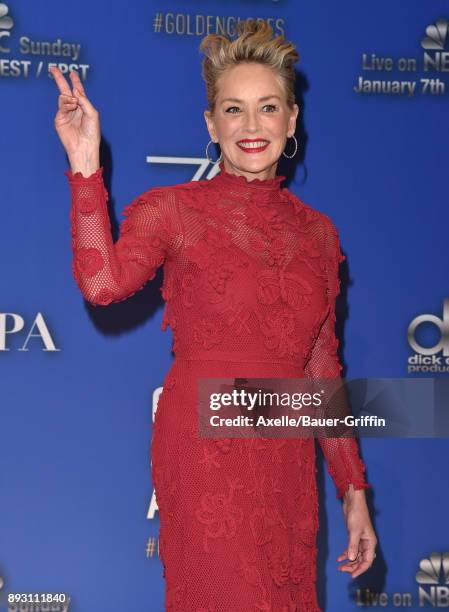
[[253, 145]]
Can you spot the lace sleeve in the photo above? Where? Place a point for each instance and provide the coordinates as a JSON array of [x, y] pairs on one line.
[[106, 271], [342, 454]]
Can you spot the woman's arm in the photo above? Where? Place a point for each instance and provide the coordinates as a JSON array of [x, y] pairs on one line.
[[106, 271], [342, 454]]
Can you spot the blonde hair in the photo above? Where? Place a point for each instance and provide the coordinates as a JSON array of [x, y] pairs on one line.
[[254, 44]]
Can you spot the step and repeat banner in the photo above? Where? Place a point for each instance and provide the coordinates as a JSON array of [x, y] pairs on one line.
[[79, 384]]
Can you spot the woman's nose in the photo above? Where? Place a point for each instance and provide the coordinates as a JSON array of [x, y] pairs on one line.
[[252, 120]]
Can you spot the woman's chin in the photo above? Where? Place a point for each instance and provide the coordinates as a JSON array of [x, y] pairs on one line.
[[254, 162]]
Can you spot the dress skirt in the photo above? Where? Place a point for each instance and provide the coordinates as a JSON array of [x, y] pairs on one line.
[[238, 516]]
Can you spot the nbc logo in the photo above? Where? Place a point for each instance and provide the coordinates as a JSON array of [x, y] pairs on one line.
[[6, 23], [434, 44], [434, 573], [436, 36]]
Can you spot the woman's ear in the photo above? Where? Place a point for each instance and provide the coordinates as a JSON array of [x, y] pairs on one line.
[[292, 119], [210, 125]]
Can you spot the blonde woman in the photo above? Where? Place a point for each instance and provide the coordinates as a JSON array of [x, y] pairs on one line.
[[250, 283]]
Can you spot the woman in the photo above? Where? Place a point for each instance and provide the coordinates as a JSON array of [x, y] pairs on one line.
[[250, 283]]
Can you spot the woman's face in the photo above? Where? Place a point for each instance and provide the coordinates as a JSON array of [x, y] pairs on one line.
[[251, 105]]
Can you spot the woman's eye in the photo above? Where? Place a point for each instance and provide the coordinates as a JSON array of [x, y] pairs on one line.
[[231, 109]]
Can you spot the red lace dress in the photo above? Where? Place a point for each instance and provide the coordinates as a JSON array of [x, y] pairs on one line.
[[250, 283]]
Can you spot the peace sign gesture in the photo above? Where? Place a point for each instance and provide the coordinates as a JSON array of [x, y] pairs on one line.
[[77, 123]]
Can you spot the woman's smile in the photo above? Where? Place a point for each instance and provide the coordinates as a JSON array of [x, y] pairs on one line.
[[253, 145]]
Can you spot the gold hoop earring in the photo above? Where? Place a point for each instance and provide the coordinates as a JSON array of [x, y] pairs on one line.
[[211, 160], [296, 148]]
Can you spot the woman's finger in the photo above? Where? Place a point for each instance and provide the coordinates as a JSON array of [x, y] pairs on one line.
[[363, 566], [353, 545], [76, 81], [86, 105], [69, 107], [66, 99], [343, 556], [83, 100], [350, 566], [364, 560], [60, 81]]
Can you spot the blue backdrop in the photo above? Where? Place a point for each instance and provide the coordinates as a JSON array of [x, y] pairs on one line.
[[79, 383]]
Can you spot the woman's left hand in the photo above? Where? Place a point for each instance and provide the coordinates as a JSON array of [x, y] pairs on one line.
[[362, 539]]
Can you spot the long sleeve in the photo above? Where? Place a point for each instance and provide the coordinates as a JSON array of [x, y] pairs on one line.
[[109, 272], [342, 454]]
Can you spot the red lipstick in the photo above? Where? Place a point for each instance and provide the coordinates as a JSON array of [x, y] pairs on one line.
[[252, 149]]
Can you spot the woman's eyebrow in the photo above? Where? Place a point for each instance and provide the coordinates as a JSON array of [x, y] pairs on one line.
[[260, 99]]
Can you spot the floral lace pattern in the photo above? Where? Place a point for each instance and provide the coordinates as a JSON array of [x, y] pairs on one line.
[[250, 287]]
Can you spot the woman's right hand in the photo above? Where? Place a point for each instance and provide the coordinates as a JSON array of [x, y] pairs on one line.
[[77, 123]]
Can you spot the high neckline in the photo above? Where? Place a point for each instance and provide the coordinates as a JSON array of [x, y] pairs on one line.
[[239, 181]]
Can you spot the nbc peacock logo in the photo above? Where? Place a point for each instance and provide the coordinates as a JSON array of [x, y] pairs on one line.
[[433, 580], [6, 23], [436, 47], [436, 36]]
